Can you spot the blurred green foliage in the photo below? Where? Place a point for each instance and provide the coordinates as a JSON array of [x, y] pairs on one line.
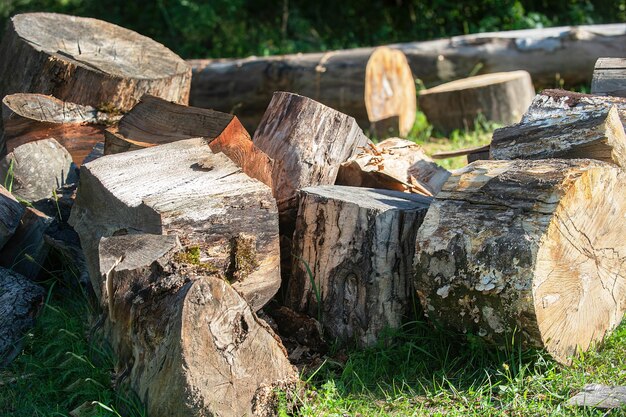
[[227, 28]]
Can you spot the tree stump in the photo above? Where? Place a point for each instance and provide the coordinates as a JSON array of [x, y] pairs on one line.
[[189, 343], [595, 134], [500, 97], [31, 117], [225, 219], [155, 121], [11, 212], [532, 247], [88, 61], [609, 77], [358, 244]]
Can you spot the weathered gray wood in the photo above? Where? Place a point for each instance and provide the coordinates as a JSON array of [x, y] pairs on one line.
[[595, 134], [500, 97], [37, 169], [20, 300], [359, 245], [189, 343], [87, 61], [609, 77], [599, 396], [184, 189], [534, 247], [11, 212]]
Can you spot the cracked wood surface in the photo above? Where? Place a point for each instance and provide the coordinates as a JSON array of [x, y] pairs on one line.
[[529, 246]]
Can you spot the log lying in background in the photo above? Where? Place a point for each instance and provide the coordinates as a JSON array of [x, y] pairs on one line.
[[597, 134], [31, 117], [500, 97], [359, 245], [224, 219], [190, 344], [609, 77], [155, 121], [366, 83], [529, 246], [393, 164], [88, 61], [20, 300]]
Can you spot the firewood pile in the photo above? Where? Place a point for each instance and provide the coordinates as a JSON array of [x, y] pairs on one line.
[[207, 248]]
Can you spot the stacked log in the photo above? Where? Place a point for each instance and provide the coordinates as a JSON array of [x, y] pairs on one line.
[[609, 77]]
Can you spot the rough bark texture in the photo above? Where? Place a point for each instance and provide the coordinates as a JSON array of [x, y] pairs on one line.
[[19, 303], [155, 121], [393, 164], [501, 97], [609, 77], [595, 134], [599, 396], [11, 212], [534, 247], [37, 169], [88, 61], [225, 219], [368, 84], [190, 345], [359, 245]]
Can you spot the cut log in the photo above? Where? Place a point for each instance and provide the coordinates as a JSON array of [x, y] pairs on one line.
[[393, 164], [358, 244], [473, 154], [533, 247], [37, 169], [32, 117], [225, 219], [600, 396], [609, 77], [190, 345], [20, 300], [11, 212], [501, 97], [366, 83], [595, 134], [155, 121], [88, 61]]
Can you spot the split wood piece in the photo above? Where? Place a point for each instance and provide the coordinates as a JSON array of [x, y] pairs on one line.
[[155, 121], [31, 117], [600, 396], [189, 343], [476, 153], [37, 169], [88, 61], [534, 247], [597, 134], [11, 212], [501, 97], [359, 245], [609, 77], [393, 164], [369, 84], [226, 220], [20, 300]]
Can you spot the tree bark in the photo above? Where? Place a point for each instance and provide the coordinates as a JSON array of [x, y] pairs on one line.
[[528, 247], [155, 121], [31, 117], [88, 62], [369, 84], [189, 343], [359, 245], [500, 97], [595, 134], [225, 219], [11, 212], [609, 77]]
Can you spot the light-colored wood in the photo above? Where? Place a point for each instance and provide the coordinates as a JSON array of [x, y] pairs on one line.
[[600, 396], [609, 77], [229, 219], [11, 212], [368, 84], [500, 97], [88, 62], [532, 247], [189, 343], [155, 121], [595, 134], [359, 245]]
